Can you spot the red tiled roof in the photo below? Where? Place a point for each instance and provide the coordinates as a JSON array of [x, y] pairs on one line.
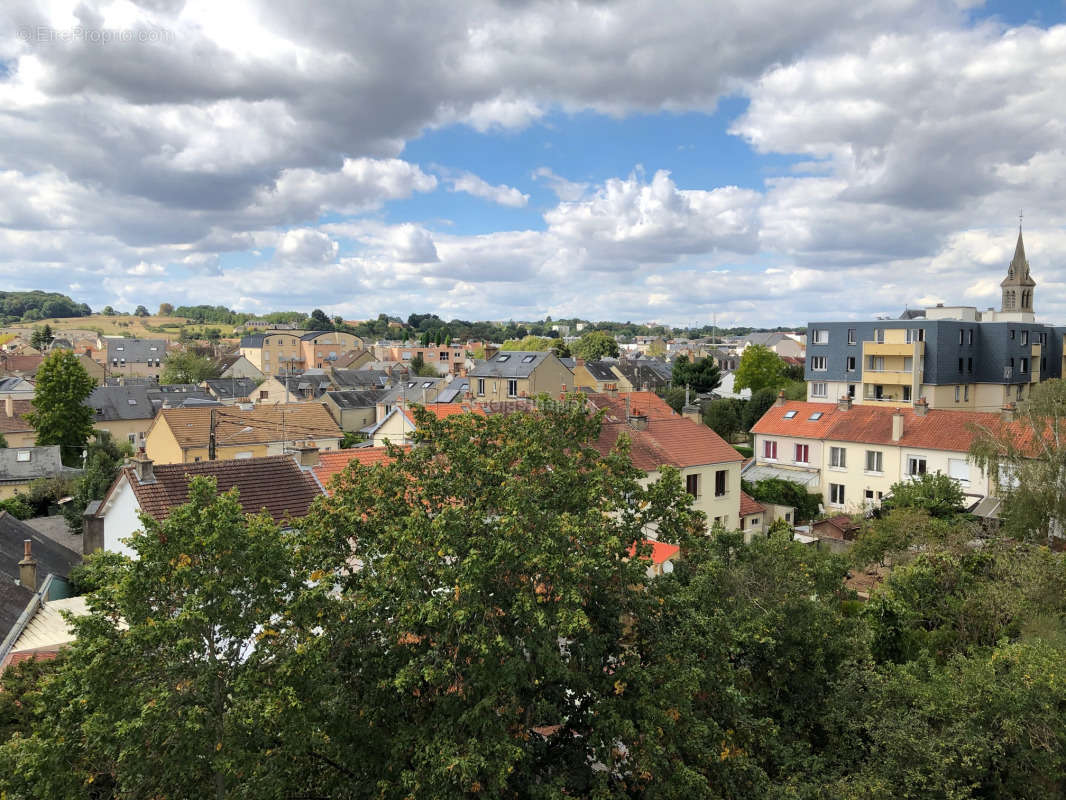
[[661, 552], [676, 441], [938, 429], [16, 423], [749, 505], [332, 463], [273, 483], [774, 423], [648, 404], [841, 524]]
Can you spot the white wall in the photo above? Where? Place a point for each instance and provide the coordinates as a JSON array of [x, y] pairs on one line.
[[120, 519]]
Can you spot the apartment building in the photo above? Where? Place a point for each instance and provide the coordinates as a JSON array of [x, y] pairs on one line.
[[322, 349], [955, 358], [517, 373], [276, 352], [133, 357]]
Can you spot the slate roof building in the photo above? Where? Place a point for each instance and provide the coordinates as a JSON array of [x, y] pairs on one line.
[[354, 409], [133, 357], [126, 412], [230, 389], [21, 465], [517, 373], [51, 557]]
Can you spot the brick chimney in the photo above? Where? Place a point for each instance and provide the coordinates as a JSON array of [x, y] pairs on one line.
[[921, 406], [780, 398], [1006, 414], [844, 403], [897, 425], [638, 421], [28, 568], [579, 362]]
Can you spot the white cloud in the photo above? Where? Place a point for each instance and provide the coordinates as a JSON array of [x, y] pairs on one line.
[[306, 247], [478, 187]]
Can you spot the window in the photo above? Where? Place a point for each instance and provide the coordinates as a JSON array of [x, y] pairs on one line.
[[790, 414], [838, 457], [958, 393], [969, 336], [877, 363], [875, 461], [23, 455], [802, 453], [959, 469], [879, 335], [960, 365], [120, 348], [692, 485], [962, 334], [851, 390], [969, 366], [132, 438], [820, 336], [1023, 365], [244, 454], [720, 478], [819, 389], [1011, 333], [1025, 337], [528, 359], [131, 401], [501, 359], [915, 335], [1019, 393], [850, 364], [427, 385], [916, 465], [443, 355], [907, 394], [512, 388], [851, 336], [481, 387], [836, 494], [769, 450], [1043, 364], [818, 363], [264, 394], [817, 415]]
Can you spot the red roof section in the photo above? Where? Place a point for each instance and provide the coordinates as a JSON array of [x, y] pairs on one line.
[[749, 505], [774, 422], [273, 483], [332, 463], [661, 552], [648, 404], [675, 441]]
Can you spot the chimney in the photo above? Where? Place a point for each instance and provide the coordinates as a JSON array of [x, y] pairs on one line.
[[307, 455], [9, 406], [92, 529], [693, 412], [780, 398], [921, 406], [844, 403], [580, 362], [142, 468], [897, 425], [28, 568], [638, 421], [1006, 414]]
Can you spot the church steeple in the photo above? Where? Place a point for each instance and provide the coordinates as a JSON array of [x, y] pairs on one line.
[[1018, 285]]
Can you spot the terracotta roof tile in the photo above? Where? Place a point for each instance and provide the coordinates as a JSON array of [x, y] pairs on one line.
[[775, 423], [661, 552], [268, 423], [646, 403], [274, 483], [332, 463], [749, 505], [675, 441], [937, 429]]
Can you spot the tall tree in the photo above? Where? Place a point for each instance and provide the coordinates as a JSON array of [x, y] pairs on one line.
[[60, 415], [41, 337], [188, 367], [487, 648], [140, 311], [176, 685], [702, 376], [759, 368], [595, 345], [166, 309]]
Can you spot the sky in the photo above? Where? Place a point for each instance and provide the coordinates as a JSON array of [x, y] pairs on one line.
[[761, 163]]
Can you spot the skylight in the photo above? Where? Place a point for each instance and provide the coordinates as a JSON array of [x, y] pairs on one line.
[[527, 359], [502, 358], [790, 414], [817, 415], [131, 401]]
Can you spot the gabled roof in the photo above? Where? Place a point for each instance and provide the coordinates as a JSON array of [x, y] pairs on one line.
[[253, 340], [111, 403], [638, 371], [225, 388], [51, 556], [646, 404], [799, 418], [661, 552], [676, 442], [600, 371], [21, 464], [332, 463], [749, 505], [510, 364], [135, 350], [360, 378], [13, 601], [354, 398], [273, 483], [268, 423]]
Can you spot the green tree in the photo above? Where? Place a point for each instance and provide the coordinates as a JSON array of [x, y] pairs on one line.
[[190, 695], [187, 367], [108, 311], [104, 458], [657, 349], [420, 368], [595, 345], [559, 348], [722, 417], [318, 321], [536, 344], [759, 368], [484, 620], [41, 337], [786, 493], [933, 492], [60, 415], [702, 377], [140, 311], [165, 309], [760, 402], [1028, 459], [675, 398]]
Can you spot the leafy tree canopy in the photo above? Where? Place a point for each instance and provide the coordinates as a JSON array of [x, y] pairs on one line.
[[59, 414], [188, 367], [594, 345], [702, 376], [759, 368]]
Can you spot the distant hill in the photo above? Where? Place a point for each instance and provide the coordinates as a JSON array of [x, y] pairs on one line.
[[35, 305]]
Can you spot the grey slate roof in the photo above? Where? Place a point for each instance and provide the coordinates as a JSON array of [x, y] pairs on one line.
[[11, 384], [569, 363], [913, 313], [121, 403], [510, 364], [135, 351], [50, 555], [651, 371], [600, 370], [253, 340], [360, 378], [35, 462], [226, 388], [355, 398], [13, 601], [454, 391], [412, 390], [766, 339], [313, 384]]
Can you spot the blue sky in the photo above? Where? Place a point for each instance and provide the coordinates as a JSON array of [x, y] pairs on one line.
[[761, 163]]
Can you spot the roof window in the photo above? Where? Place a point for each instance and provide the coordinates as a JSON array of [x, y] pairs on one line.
[[131, 401], [790, 414], [527, 359], [501, 359], [817, 415]]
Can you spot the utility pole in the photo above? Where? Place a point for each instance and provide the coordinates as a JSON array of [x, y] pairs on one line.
[[211, 438]]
